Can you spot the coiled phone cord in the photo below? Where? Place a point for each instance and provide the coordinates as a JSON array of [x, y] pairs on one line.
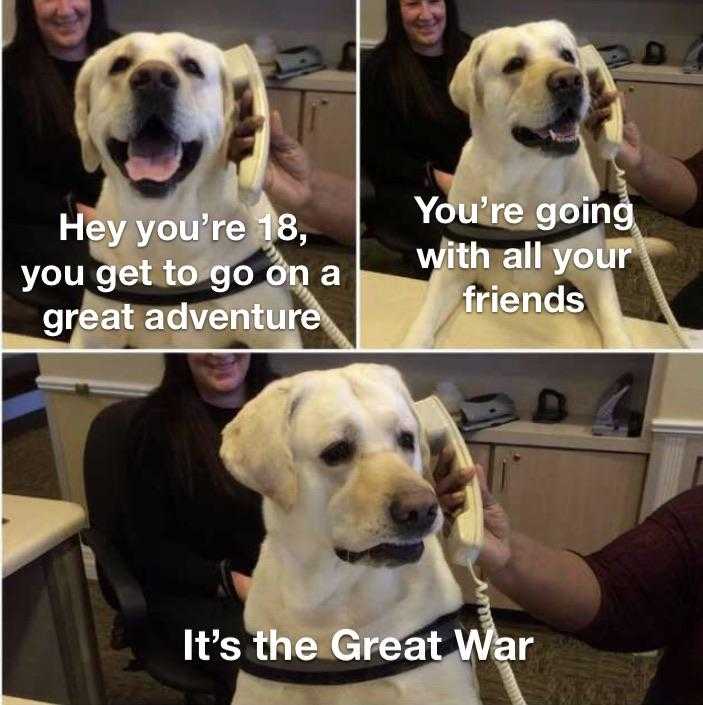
[[306, 296], [642, 253], [485, 619]]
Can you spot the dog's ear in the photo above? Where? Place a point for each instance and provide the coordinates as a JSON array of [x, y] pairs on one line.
[[465, 88], [89, 150], [255, 445]]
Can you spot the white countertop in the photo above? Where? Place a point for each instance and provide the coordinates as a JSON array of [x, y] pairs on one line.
[[389, 304], [34, 527], [657, 74], [9, 700], [574, 432], [325, 80]]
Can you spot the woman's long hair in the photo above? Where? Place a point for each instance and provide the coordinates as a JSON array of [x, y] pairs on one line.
[[410, 84], [192, 437], [48, 101]]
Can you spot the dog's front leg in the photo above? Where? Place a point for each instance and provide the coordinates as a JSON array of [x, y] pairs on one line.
[[444, 292], [601, 296]]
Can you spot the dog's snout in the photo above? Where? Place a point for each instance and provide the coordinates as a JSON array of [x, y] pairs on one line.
[[153, 76], [414, 511], [565, 82]]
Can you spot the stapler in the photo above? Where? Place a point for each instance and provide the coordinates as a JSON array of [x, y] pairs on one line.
[[486, 411]]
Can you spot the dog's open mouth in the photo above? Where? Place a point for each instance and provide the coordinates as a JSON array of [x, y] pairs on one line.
[[384, 554], [155, 159], [560, 137]]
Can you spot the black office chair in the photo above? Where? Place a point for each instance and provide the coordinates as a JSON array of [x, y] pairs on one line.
[[105, 467]]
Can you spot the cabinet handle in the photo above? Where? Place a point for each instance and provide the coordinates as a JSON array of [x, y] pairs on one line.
[[313, 111], [502, 474], [517, 457]]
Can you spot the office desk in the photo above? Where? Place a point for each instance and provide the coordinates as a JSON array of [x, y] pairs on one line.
[[49, 645], [389, 304]]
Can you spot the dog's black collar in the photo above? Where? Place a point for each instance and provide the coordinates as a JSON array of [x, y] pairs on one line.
[[139, 294], [493, 238], [334, 672]]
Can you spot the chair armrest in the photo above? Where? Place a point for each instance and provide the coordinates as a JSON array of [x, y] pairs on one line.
[[128, 592]]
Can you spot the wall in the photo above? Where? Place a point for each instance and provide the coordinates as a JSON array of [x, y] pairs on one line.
[[682, 389], [676, 23], [328, 25], [228, 22]]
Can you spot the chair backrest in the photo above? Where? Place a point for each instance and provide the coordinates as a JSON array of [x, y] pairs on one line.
[[106, 476]]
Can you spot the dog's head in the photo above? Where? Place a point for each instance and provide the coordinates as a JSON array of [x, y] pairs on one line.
[[525, 83], [152, 108], [339, 455]]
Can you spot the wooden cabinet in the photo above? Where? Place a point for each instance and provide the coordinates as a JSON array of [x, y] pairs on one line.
[[324, 122], [573, 499], [288, 104], [328, 131]]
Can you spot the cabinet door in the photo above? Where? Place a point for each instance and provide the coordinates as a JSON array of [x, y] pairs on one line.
[[288, 103], [481, 455], [573, 499], [329, 131], [670, 116]]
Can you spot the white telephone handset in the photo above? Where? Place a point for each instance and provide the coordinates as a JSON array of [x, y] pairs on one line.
[[610, 137], [608, 145], [244, 71], [466, 534]]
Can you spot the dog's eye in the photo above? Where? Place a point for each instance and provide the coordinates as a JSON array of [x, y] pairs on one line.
[[192, 67], [406, 440], [568, 55], [338, 452], [517, 63], [121, 64]]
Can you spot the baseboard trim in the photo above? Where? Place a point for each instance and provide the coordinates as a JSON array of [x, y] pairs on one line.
[[98, 387]]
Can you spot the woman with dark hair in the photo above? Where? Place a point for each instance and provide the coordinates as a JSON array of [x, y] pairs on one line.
[[43, 169], [412, 133], [197, 531]]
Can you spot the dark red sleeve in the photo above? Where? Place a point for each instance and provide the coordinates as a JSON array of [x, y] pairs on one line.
[[651, 580], [694, 217]]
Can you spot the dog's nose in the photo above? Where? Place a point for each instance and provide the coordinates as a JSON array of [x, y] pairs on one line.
[[153, 76], [414, 511], [564, 82]]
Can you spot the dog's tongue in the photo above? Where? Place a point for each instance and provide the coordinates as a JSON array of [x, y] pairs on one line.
[[155, 162]]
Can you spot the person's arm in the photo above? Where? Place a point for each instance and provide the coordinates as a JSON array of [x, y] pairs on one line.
[[667, 183], [321, 199], [661, 180], [556, 586]]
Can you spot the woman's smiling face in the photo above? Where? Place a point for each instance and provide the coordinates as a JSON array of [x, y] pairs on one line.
[[63, 24], [218, 375], [424, 22]]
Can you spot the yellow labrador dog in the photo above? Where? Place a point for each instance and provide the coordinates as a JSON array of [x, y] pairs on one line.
[[350, 522], [526, 93], [156, 112]]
